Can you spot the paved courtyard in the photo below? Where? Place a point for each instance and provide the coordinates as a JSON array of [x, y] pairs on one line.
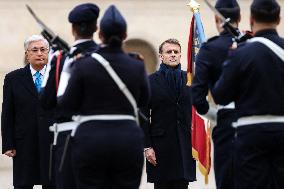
[[6, 178]]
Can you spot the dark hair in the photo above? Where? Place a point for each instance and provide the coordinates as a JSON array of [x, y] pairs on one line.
[[233, 13], [170, 41], [113, 40], [85, 29], [265, 16]]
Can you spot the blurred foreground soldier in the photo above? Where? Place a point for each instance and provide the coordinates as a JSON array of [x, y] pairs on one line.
[[25, 135], [84, 24], [253, 77], [107, 149], [168, 136], [209, 63]]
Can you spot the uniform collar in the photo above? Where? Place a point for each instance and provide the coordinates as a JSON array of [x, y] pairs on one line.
[[77, 43], [266, 32], [226, 33], [106, 48], [80, 41]]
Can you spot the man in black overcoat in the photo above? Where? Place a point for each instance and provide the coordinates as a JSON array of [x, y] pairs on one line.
[[168, 134], [24, 124]]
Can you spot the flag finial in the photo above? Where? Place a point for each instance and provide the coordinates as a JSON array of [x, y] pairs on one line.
[[194, 6]]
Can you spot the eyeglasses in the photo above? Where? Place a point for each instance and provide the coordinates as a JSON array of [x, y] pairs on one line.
[[35, 50]]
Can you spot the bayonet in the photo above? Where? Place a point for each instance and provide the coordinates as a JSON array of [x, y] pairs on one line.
[[238, 36], [54, 40]]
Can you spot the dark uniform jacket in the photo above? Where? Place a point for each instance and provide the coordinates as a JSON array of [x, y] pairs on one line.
[[209, 63], [25, 128], [48, 95], [107, 151], [251, 76], [103, 97], [169, 132]]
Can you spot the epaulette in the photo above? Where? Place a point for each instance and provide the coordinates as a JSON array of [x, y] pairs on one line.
[[82, 55], [213, 38]]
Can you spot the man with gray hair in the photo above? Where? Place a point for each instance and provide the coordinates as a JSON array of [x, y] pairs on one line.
[[24, 124]]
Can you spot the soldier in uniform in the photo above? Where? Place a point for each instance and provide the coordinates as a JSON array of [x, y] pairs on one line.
[[209, 62], [168, 146], [84, 24], [253, 77], [107, 149]]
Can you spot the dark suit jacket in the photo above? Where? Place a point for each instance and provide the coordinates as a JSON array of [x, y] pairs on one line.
[[25, 128], [169, 132]]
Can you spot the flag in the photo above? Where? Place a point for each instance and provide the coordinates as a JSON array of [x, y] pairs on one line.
[[200, 134]]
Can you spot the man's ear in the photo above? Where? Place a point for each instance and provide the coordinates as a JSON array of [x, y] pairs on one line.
[[161, 57], [278, 21], [101, 36], [216, 19], [26, 56], [124, 36], [251, 22]]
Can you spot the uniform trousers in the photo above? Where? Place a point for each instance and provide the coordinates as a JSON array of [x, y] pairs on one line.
[[259, 156], [108, 155], [177, 184], [223, 139], [64, 178]]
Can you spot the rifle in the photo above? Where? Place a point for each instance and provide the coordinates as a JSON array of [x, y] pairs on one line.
[[54, 40], [238, 36]]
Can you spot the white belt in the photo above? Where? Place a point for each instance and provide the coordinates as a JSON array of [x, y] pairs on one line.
[[257, 119], [73, 125], [228, 106]]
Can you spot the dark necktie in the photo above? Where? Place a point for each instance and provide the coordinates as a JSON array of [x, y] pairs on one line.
[[37, 81]]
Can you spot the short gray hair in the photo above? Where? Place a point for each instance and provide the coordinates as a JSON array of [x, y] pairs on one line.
[[34, 38]]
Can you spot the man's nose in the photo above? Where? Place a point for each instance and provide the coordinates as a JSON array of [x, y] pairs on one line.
[[173, 53]]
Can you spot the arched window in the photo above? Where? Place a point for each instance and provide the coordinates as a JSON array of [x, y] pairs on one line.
[[146, 50]]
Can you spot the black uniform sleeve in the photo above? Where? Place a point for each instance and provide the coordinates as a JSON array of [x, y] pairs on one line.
[[48, 94], [144, 90], [200, 84], [71, 100], [225, 89], [145, 125], [7, 118]]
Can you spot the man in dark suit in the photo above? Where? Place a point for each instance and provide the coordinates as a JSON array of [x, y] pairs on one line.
[[209, 63], [107, 149], [25, 135], [253, 77], [84, 24], [168, 135]]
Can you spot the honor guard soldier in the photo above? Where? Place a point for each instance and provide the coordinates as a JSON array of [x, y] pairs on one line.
[[209, 62], [84, 24], [253, 77], [105, 89]]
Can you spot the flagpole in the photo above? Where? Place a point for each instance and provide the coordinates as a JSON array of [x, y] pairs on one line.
[[194, 6], [201, 143]]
